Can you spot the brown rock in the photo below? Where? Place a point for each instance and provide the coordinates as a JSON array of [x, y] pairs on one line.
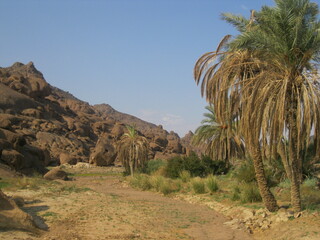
[[12, 217], [155, 147], [174, 146], [66, 158], [26, 79], [56, 173], [104, 154], [118, 130], [161, 140], [13, 158], [31, 112]]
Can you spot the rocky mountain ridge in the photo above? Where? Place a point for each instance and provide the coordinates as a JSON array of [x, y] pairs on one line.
[[43, 125]]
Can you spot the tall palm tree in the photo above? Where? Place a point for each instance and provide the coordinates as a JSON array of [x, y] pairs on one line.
[[133, 150], [219, 140], [269, 74]]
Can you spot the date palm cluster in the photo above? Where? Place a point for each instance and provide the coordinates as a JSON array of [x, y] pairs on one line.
[[265, 81]]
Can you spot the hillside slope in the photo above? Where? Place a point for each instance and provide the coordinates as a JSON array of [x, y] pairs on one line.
[[42, 125]]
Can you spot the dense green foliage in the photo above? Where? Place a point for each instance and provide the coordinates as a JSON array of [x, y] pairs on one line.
[[198, 167], [154, 165]]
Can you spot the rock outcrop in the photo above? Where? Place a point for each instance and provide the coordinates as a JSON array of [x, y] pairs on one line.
[[42, 125], [12, 217]]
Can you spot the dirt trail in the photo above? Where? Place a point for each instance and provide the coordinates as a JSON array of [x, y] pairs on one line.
[[115, 211]]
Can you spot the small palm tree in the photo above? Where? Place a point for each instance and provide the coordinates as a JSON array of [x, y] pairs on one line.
[[219, 140], [133, 150]]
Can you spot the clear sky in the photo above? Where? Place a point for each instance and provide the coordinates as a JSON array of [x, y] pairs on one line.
[[136, 55]]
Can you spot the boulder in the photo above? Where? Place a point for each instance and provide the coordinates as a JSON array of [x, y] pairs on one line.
[[13, 138], [155, 147], [13, 158], [66, 158], [25, 159], [55, 174], [12, 217], [13, 101], [117, 131], [174, 146], [161, 140], [32, 112], [104, 154]]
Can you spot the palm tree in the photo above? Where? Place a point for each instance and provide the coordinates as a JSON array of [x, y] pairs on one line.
[[219, 140], [269, 74], [133, 150]]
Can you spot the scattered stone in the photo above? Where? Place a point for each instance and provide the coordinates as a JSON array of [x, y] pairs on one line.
[[297, 215], [66, 158], [55, 174]]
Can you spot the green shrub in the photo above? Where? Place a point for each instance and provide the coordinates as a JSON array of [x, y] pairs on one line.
[[285, 184], [156, 182], [140, 181], [185, 176], [154, 165], [198, 167], [245, 172], [310, 183], [174, 167], [310, 197], [167, 187], [235, 193], [249, 192], [4, 184], [212, 184], [214, 167], [178, 185], [198, 185]]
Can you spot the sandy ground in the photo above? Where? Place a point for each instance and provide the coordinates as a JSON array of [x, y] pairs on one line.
[[99, 207], [112, 210]]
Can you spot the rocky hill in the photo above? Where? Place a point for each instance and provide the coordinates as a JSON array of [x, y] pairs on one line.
[[42, 125]]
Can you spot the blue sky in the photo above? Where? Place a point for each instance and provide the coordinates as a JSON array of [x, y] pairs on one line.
[[136, 55]]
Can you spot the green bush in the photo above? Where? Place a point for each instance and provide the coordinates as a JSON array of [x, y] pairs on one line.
[[140, 181], [249, 192], [156, 182], [245, 172], [174, 167], [154, 165], [235, 193], [285, 184], [198, 167], [166, 188], [214, 167], [185, 176], [310, 197], [310, 183], [169, 186], [212, 184], [198, 185]]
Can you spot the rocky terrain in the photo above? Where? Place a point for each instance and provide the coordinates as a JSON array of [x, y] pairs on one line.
[[41, 125]]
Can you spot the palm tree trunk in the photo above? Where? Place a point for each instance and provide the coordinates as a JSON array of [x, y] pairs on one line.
[[267, 196], [131, 168], [284, 159], [294, 160], [131, 160]]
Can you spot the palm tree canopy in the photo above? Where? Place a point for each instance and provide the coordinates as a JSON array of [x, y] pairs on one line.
[[268, 73], [219, 139]]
